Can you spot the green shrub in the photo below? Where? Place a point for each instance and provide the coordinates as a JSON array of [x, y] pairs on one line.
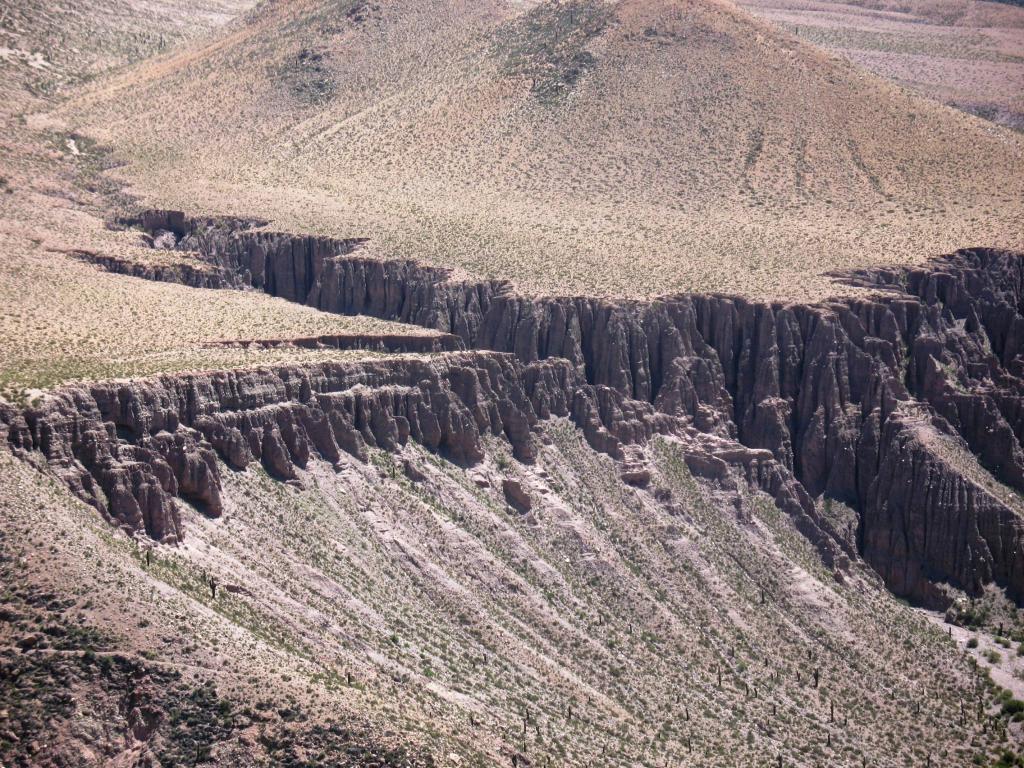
[[1007, 760], [1013, 707]]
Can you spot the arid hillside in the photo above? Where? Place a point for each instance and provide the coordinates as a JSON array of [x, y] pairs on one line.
[[61, 217], [397, 609], [62, 318], [69, 41], [965, 53], [627, 148]]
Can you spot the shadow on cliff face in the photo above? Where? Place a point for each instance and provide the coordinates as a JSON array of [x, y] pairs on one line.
[[908, 406]]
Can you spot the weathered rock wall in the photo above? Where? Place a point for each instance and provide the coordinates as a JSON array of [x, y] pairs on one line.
[[192, 275], [394, 343], [129, 448], [843, 394]]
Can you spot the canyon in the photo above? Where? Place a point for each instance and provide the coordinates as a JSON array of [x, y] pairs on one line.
[[876, 402], [607, 383]]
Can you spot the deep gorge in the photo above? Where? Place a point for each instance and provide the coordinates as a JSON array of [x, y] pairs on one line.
[[873, 402]]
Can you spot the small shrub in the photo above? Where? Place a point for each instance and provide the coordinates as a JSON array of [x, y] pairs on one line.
[[1013, 707]]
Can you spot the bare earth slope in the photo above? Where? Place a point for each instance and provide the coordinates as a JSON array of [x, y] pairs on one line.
[[628, 148], [390, 595], [67, 41], [965, 53]]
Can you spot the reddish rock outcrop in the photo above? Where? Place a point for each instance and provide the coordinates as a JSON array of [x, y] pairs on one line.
[[517, 496]]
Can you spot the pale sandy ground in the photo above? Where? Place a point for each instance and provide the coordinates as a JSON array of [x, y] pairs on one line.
[[1007, 672]]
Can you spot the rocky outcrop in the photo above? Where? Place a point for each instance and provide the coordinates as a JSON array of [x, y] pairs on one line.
[[517, 496], [194, 275], [928, 519], [830, 393], [130, 448], [394, 343]]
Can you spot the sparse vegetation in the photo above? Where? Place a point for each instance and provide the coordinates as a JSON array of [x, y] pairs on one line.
[[548, 45], [65, 320], [960, 52], [393, 609], [580, 148], [308, 75]]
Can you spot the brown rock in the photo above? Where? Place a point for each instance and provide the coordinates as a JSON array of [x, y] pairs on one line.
[[819, 387], [412, 471], [636, 475], [516, 495]]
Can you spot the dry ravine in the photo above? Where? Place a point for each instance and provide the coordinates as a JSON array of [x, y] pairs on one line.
[[874, 402], [566, 531]]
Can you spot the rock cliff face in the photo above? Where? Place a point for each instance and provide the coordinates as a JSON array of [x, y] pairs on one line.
[[192, 275], [872, 401], [395, 343], [130, 447]]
